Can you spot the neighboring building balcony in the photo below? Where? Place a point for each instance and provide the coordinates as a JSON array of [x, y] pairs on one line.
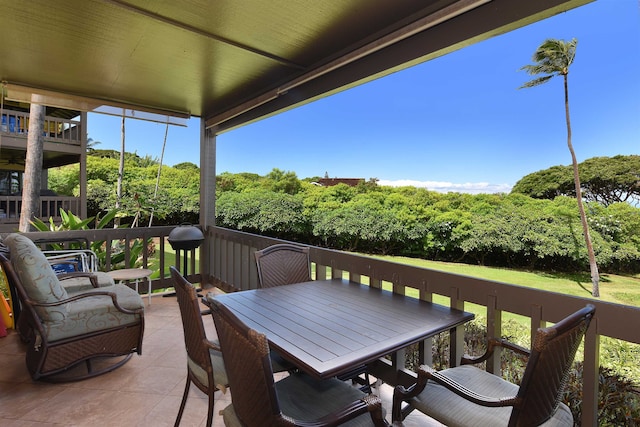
[[64, 133], [50, 207], [15, 124]]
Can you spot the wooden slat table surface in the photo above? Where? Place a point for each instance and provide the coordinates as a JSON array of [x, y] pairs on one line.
[[328, 327]]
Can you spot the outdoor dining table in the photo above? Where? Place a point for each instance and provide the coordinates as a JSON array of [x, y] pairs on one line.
[[328, 327]]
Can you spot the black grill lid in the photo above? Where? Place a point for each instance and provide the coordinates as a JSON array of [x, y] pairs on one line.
[[185, 237]]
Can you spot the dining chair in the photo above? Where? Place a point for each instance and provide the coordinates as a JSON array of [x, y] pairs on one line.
[[283, 264], [296, 400], [205, 367], [466, 395]]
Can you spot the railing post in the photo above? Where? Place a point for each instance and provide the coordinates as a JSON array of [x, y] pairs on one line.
[[590, 375], [494, 330], [375, 282], [425, 348], [456, 335]]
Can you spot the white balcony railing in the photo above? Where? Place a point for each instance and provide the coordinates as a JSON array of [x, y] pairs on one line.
[[16, 123]]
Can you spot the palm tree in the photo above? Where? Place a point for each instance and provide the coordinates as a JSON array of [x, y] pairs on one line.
[[553, 58], [116, 222], [33, 168]]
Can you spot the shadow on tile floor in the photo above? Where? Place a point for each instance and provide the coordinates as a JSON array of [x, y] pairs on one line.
[[146, 391]]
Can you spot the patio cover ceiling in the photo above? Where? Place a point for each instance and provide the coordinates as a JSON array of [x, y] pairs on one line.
[[232, 61]]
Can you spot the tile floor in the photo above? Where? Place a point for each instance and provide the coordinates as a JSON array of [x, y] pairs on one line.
[[146, 391]]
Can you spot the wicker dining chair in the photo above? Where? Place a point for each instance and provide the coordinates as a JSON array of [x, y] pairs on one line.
[[205, 367], [283, 264], [466, 395], [296, 400]]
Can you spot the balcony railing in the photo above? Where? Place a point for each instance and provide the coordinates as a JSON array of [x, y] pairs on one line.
[[232, 267], [16, 123], [227, 261], [50, 207]]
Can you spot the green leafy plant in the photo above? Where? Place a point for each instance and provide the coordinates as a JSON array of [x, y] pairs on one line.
[[618, 397], [71, 222]]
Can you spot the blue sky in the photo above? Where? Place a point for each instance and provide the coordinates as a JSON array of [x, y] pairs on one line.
[[456, 123]]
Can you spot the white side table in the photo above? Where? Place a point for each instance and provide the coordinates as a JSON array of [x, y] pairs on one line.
[[133, 274]]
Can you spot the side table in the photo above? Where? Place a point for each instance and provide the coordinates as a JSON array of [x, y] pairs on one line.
[[133, 274]]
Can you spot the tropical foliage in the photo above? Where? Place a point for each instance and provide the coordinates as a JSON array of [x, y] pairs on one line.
[[606, 180], [489, 229], [513, 230], [118, 251]]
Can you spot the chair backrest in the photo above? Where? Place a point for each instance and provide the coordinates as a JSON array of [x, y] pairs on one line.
[[552, 354], [246, 358], [194, 333], [36, 277], [69, 260], [283, 264]]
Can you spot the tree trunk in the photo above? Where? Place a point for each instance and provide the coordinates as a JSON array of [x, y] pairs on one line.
[[155, 192], [33, 168], [116, 220], [595, 276]]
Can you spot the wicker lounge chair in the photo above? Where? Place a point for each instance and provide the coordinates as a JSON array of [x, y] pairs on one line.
[[65, 328], [297, 400], [205, 367], [466, 395]]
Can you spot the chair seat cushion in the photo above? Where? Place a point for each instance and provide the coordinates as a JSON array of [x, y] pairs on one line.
[[219, 373], [79, 284], [92, 314], [447, 407], [303, 398]]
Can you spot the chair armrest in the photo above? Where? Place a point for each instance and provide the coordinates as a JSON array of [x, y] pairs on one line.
[[369, 403], [112, 295], [426, 373], [491, 346], [92, 277]]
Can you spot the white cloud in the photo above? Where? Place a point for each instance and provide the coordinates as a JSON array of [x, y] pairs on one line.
[[445, 187]]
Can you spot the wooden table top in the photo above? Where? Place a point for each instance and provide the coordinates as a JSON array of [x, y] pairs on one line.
[[328, 327]]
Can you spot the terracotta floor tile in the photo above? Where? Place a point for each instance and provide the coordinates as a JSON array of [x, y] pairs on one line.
[[146, 391]]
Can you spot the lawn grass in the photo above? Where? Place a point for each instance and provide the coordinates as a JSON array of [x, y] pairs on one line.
[[619, 356], [613, 288]]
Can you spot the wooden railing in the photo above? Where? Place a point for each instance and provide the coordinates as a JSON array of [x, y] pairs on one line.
[[50, 207], [55, 129], [155, 239], [232, 267], [227, 261]]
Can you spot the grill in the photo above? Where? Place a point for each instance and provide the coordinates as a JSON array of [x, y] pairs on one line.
[[184, 238]]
